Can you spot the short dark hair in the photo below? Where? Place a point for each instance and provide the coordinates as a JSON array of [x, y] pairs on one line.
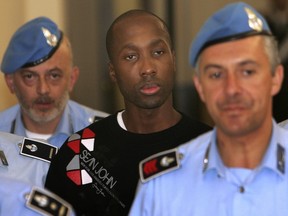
[[130, 13]]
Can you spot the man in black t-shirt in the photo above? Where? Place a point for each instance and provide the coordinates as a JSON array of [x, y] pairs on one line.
[[96, 170]]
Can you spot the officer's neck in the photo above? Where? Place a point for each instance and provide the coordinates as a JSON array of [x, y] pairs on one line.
[[243, 151], [48, 127]]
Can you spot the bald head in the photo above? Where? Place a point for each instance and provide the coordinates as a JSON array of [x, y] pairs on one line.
[[134, 17]]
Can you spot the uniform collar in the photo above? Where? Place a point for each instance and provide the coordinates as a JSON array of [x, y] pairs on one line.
[[65, 125], [18, 126], [274, 158]]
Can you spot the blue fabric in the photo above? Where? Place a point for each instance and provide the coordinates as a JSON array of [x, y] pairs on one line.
[[75, 117], [216, 190], [231, 21], [284, 124], [26, 169], [13, 198], [29, 44]]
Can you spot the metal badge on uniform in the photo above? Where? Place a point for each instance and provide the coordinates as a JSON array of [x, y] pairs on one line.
[[3, 158], [159, 164], [46, 203], [281, 158], [254, 22], [37, 149]]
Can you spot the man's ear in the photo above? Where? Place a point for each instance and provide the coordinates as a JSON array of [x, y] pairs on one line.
[[9, 78], [277, 81], [198, 86], [74, 77], [112, 72]]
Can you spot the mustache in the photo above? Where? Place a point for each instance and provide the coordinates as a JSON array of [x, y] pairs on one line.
[[149, 81], [43, 99], [235, 101]]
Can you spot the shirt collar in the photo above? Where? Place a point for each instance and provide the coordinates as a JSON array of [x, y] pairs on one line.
[[274, 158], [18, 126]]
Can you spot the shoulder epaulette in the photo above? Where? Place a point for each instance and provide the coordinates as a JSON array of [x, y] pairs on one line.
[[158, 164], [3, 158], [47, 203], [97, 118], [38, 150]]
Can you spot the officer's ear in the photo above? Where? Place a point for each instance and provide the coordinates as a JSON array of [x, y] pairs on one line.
[[9, 78], [277, 80], [112, 72], [73, 77], [198, 86]]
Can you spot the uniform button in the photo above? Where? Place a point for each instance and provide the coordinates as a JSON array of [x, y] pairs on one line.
[[241, 189]]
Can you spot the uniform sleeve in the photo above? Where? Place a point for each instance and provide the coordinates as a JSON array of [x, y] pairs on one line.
[[143, 204]]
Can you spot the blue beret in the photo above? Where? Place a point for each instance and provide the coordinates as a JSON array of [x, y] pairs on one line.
[[235, 21], [32, 44]]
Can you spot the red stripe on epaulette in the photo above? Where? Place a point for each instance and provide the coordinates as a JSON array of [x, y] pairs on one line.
[[158, 164]]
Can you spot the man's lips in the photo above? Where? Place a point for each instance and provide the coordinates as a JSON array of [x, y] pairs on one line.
[[233, 109], [150, 89], [43, 105]]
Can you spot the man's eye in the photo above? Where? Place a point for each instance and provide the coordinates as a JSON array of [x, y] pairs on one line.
[[130, 57], [248, 72], [55, 76], [158, 52], [28, 76], [215, 75]]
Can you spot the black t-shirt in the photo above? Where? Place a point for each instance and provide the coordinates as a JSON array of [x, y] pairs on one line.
[[96, 169]]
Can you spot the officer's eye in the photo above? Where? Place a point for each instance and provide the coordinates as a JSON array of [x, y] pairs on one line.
[[55, 75], [28, 76], [215, 75], [248, 72]]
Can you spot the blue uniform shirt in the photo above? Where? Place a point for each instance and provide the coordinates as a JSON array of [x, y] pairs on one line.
[[75, 117], [284, 124], [203, 185], [23, 168], [15, 194]]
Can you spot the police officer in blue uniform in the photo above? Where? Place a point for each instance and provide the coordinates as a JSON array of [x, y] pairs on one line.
[[240, 168], [20, 198], [23, 168], [24, 158], [39, 70]]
